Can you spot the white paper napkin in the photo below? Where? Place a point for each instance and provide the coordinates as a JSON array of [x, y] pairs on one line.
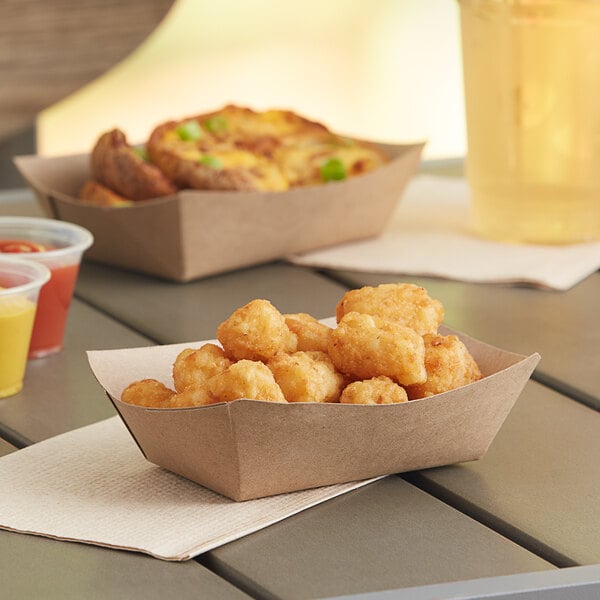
[[93, 485], [429, 234]]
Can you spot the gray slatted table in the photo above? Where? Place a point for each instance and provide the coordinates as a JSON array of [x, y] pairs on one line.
[[539, 483], [36, 567], [173, 312], [387, 535], [502, 516]]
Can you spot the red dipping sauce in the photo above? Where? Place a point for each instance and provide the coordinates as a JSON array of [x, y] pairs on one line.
[[16, 246], [53, 302], [52, 310], [58, 246]]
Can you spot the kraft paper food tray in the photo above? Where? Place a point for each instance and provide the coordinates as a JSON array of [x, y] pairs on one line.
[[248, 449], [197, 233]]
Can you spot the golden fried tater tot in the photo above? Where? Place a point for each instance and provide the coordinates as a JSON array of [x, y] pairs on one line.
[[449, 365], [193, 368], [256, 331], [191, 396], [148, 392], [311, 334], [378, 390], [363, 346], [245, 379], [307, 377], [405, 303]]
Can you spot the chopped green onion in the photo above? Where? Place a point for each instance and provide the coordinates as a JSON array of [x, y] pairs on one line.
[[211, 161], [333, 170], [189, 131], [216, 124], [141, 152]]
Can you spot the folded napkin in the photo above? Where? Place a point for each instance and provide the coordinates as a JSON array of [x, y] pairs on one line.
[[429, 235], [93, 485]]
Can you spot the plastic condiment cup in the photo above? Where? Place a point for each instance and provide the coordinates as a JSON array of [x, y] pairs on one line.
[[20, 283], [67, 242]]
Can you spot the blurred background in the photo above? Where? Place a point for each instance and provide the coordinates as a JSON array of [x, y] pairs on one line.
[[388, 70]]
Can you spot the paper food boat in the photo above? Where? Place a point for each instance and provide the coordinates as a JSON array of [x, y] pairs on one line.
[[193, 234], [248, 449]]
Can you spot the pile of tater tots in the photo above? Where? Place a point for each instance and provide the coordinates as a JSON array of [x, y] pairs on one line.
[[385, 349]]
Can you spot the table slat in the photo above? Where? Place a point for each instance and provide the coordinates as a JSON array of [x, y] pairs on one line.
[[387, 535], [36, 567], [539, 482], [172, 312]]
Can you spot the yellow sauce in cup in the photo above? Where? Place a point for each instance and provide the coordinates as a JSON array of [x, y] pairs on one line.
[[16, 322]]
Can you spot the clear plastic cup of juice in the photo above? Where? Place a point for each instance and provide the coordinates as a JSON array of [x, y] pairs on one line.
[[58, 246], [20, 283], [532, 83]]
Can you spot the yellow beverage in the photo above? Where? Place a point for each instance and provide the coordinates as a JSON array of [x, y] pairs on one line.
[[532, 90], [16, 323]]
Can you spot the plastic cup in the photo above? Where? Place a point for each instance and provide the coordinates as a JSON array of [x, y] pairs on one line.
[[68, 242], [533, 118], [20, 283]]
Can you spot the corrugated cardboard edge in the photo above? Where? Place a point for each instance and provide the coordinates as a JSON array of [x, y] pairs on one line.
[[192, 234], [275, 448]]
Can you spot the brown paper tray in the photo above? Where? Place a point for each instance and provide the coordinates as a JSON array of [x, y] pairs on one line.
[[247, 449], [198, 233]]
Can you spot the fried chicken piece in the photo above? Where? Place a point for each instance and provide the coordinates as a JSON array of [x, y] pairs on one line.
[[311, 334], [245, 379], [364, 346], [256, 331], [97, 194], [307, 377], [148, 392], [193, 368], [449, 365], [377, 390], [118, 166], [405, 303]]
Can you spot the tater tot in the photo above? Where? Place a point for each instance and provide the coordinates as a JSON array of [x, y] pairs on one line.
[[449, 365], [193, 368], [364, 346], [378, 390], [191, 396], [307, 377], [404, 303], [311, 334], [245, 379], [148, 392], [256, 331]]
